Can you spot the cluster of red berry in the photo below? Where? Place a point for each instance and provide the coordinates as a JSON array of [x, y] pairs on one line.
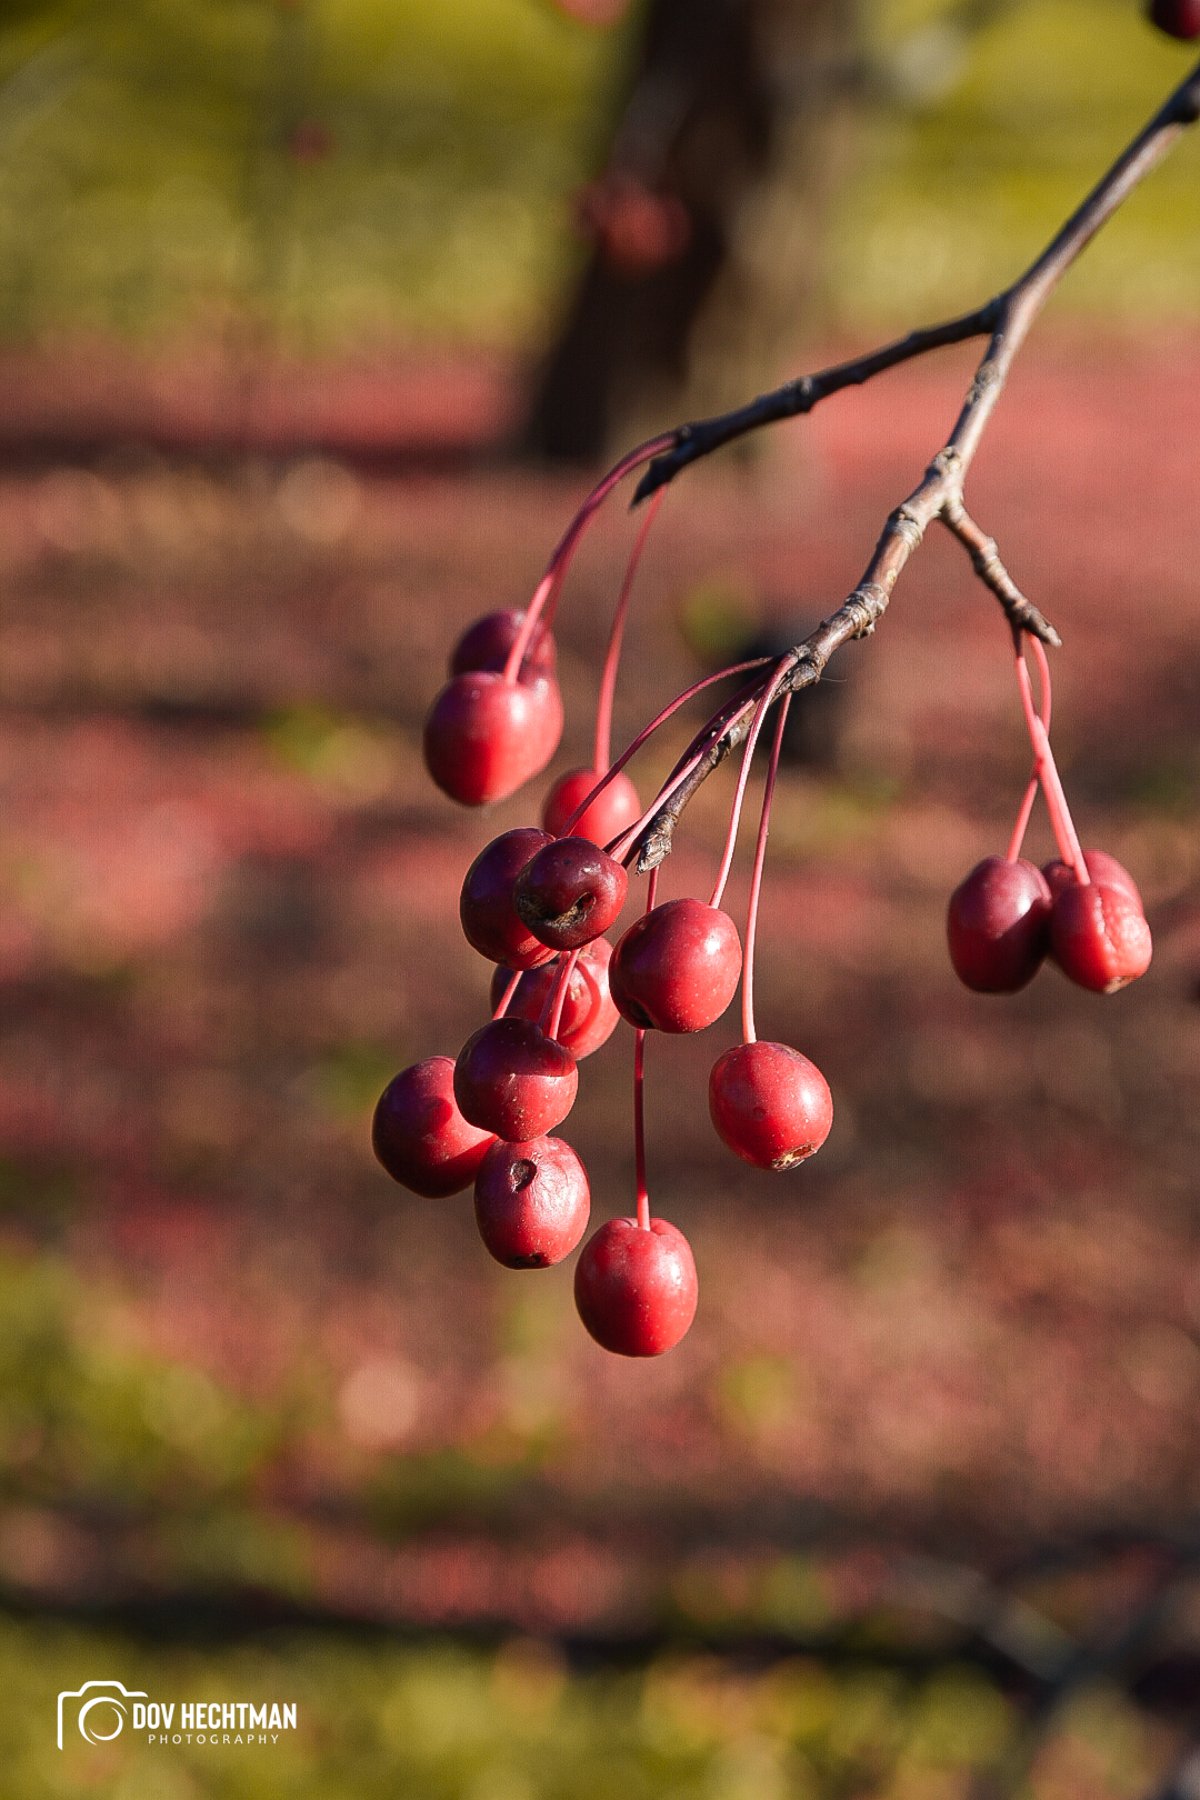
[[538, 902], [1082, 910]]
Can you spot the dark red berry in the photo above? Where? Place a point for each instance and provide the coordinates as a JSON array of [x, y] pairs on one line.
[[570, 892], [421, 1137], [485, 737], [1178, 18], [490, 921], [1101, 867], [486, 644], [1099, 936], [677, 967], [589, 1016], [997, 925], [513, 1080], [636, 1288], [609, 814], [531, 1202], [769, 1104]]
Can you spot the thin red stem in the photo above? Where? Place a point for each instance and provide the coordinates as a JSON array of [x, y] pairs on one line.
[[756, 877], [1026, 807], [639, 1097], [505, 999], [648, 731], [735, 812], [612, 659], [1056, 801], [565, 549], [556, 999]]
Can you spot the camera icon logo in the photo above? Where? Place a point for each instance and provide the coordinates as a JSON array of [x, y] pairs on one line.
[[98, 1708]]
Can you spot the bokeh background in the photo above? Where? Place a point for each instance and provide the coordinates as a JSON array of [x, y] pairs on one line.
[[311, 316]]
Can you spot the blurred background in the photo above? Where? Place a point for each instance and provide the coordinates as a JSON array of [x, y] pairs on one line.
[[312, 318]]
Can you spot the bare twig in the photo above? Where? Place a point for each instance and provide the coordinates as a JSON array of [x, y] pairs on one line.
[[1007, 321]]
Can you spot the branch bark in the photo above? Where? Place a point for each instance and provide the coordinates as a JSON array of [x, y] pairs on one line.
[[1007, 321]]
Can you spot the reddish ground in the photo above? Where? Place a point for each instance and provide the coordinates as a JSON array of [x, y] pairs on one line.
[[970, 1327]]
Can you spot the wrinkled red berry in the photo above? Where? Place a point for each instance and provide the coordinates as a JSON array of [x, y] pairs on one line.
[[1099, 937], [486, 645], [997, 925], [421, 1137], [485, 737], [589, 1016], [531, 1202], [769, 1104], [1178, 18], [677, 967], [1101, 867], [636, 1289], [570, 892], [513, 1080], [609, 814], [489, 919]]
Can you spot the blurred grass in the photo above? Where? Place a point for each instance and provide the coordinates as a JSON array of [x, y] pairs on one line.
[[358, 172]]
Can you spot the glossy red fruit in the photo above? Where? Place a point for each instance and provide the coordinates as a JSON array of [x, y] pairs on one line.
[[570, 892], [997, 925], [511, 1079], [636, 1289], [489, 919], [485, 737], [1178, 18], [531, 1202], [1101, 867], [677, 967], [486, 644], [421, 1137], [589, 1015], [769, 1104], [1099, 937], [611, 813]]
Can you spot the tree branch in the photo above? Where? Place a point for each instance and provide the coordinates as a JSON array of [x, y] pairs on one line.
[[939, 495]]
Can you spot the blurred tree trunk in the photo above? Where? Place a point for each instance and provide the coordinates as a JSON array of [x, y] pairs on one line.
[[704, 221]]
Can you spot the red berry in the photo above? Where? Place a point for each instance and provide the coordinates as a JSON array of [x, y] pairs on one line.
[[513, 1080], [1101, 867], [486, 644], [531, 1202], [997, 925], [485, 737], [636, 1289], [570, 892], [589, 1016], [677, 967], [611, 813], [420, 1136], [485, 906], [1178, 18], [1099, 936], [769, 1104]]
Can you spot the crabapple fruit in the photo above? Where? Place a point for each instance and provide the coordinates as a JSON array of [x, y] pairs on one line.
[[769, 1104], [997, 925], [485, 736], [421, 1137], [489, 919], [1099, 936], [486, 645], [589, 1016], [1178, 18], [570, 892], [635, 1287], [677, 967], [532, 1202], [1101, 867], [513, 1080], [608, 815]]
